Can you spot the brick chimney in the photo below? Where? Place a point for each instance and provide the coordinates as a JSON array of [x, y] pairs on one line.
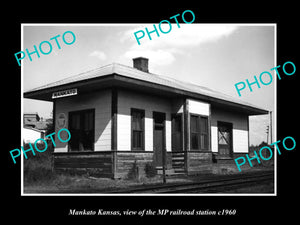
[[141, 63]]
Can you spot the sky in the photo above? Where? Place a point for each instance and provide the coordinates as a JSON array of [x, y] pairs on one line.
[[216, 56]]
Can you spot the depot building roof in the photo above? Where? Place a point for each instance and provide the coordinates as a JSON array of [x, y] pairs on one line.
[[117, 75]]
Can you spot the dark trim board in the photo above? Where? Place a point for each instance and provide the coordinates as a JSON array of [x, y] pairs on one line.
[[81, 153], [186, 135], [54, 118], [114, 119], [114, 129]]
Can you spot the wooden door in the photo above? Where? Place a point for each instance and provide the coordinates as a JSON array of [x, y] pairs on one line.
[[177, 133], [158, 137], [158, 145], [81, 127]]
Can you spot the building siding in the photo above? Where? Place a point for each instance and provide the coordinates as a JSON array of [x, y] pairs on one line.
[[240, 141], [149, 103], [101, 102], [124, 162], [30, 135], [98, 163]]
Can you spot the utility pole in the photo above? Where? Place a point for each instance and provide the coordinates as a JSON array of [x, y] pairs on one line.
[[271, 138], [267, 131]]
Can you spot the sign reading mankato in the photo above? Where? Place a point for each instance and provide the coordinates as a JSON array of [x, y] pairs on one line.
[[64, 93]]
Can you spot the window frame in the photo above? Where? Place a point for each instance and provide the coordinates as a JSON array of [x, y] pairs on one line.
[[204, 133], [200, 132], [142, 148]]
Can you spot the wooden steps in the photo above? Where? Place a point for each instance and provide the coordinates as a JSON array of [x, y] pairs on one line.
[[178, 162]]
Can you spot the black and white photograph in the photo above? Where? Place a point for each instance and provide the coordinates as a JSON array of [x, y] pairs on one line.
[[145, 113], [168, 113]]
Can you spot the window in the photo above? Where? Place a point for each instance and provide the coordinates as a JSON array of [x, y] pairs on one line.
[[137, 129], [225, 138], [199, 132], [203, 133], [177, 133], [81, 127], [195, 132]]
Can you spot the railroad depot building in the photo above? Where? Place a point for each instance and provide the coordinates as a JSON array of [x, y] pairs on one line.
[[123, 119]]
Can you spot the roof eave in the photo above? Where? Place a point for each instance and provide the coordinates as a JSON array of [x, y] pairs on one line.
[[250, 110], [111, 80], [45, 94]]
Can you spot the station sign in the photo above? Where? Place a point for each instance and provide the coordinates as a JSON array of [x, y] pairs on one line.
[[64, 93]]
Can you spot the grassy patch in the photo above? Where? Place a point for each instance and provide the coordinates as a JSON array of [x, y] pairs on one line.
[[38, 169], [40, 178]]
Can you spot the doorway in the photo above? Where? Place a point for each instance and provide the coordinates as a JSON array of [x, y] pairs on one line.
[[225, 139], [158, 137], [82, 128]]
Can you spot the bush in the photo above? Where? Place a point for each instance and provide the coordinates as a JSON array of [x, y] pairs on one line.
[[266, 154], [133, 173], [150, 170]]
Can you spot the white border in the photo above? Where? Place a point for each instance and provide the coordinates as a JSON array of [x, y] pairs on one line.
[[134, 24], [22, 107]]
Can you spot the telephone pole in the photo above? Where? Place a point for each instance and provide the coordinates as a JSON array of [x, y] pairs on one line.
[[267, 131], [271, 141]]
